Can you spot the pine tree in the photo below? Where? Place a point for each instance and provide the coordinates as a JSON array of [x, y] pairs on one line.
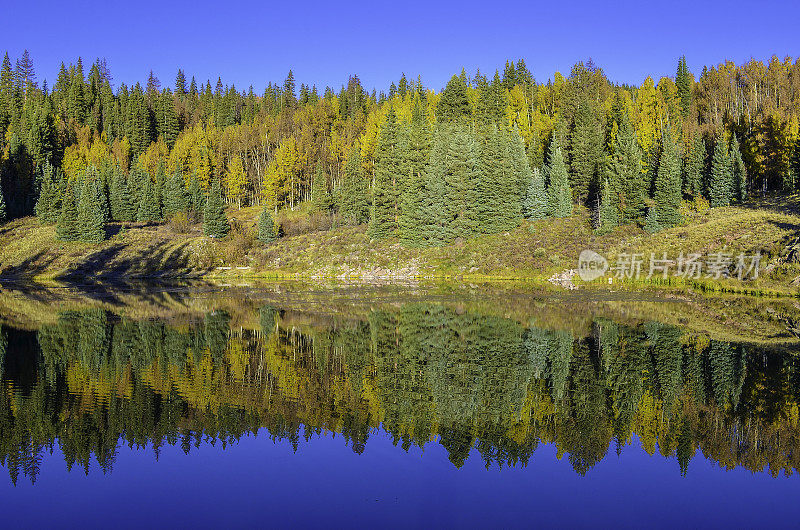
[[67, 228], [215, 222], [499, 205], [668, 184], [694, 167], [609, 212], [48, 205], [353, 195], [454, 102], [651, 221], [535, 206], [585, 151], [91, 224], [123, 208], [738, 172], [149, 210], [794, 164], [558, 190], [720, 184], [175, 195], [197, 198], [3, 215], [388, 181], [266, 227], [320, 196], [623, 170], [683, 81]]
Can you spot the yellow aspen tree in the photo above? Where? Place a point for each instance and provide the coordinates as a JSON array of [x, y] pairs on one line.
[[235, 180]]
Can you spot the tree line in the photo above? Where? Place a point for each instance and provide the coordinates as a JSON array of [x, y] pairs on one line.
[[424, 166]]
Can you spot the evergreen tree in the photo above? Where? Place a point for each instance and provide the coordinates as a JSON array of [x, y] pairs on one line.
[[123, 208], [352, 194], [794, 164], [197, 198], [694, 167], [175, 195], [388, 180], [3, 215], [149, 210], [683, 81], [667, 194], [499, 205], [720, 184], [535, 206], [320, 195], [215, 222], [651, 220], [609, 212], [738, 172], [585, 151], [558, 191], [48, 205], [90, 220], [454, 102], [67, 228], [623, 170], [266, 227]]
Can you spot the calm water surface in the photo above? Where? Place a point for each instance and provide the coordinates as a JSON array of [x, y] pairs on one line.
[[224, 408]]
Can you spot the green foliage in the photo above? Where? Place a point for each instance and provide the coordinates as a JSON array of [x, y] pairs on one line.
[[738, 172], [651, 221], [266, 227], [175, 200], [453, 103], [558, 190], [535, 205], [586, 150], [320, 195], [623, 170], [149, 210], [353, 195], [608, 216], [67, 228], [123, 208], [215, 222], [694, 168], [720, 184], [683, 81], [48, 205], [667, 194], [90, 220], [3, 214], [389, 180]]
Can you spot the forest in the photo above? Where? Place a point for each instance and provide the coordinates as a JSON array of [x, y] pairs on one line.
[[90, 381], [424, 166]]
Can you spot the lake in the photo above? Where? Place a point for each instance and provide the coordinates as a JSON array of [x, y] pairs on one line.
[[396, 406]]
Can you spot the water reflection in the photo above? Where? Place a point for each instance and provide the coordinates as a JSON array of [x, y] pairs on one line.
[[481, 385]]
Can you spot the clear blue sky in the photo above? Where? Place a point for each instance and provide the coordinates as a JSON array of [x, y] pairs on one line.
[[252, 42]]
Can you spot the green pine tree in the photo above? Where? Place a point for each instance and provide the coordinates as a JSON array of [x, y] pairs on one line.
[[48, 205], [667, 194], [694, 168], [720, 183], [535, 206], [454, 103], [175, 195], [388, 181], [196, 196], [149, 210], [609, 212], [738, 171], [215, 222], [683, 81], [90, 219], [67, 226], [3, 215], [266, 227], [623, 170], [123, 208], [558, 190], [651, 220], [353, 194]]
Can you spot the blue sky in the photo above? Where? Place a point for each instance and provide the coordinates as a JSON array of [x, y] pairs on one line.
[[251, 42]]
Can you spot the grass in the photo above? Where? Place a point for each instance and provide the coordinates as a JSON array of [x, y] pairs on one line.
[[534, 251]]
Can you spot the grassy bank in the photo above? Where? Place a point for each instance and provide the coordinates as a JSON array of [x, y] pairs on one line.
[[534, 251]]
